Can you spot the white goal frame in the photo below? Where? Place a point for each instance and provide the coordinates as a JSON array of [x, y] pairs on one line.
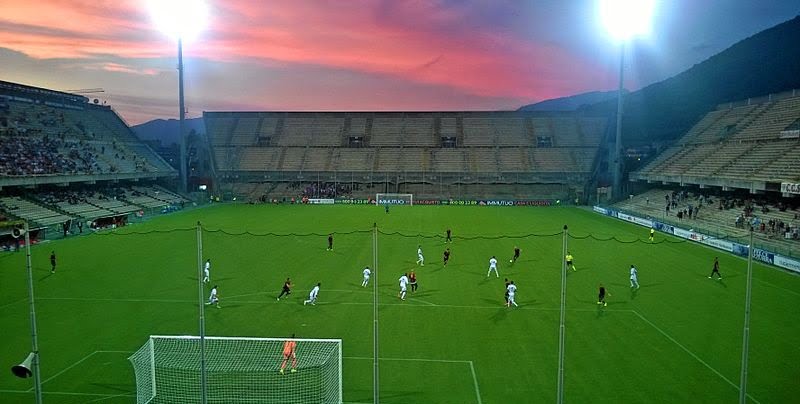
[[259, 368], [394, 199]]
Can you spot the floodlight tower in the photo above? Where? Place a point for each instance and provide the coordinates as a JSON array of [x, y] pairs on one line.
[[181, 20], [624, 20]]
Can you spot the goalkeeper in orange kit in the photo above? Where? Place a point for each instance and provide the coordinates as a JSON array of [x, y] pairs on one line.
[[289, 351]]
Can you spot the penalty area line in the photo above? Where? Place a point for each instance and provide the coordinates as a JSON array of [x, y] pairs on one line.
[[692, 354]]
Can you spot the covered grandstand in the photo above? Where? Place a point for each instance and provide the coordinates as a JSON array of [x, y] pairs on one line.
[[751, 144], [432, 154], [65, 161]]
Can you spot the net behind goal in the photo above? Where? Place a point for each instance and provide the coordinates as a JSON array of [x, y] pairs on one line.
[[394, 199], [238, 370]]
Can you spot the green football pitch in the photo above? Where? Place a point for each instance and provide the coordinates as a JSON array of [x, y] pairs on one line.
[[678, 339]]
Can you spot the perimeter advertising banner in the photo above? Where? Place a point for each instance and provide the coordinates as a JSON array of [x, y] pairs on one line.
[[790, 188], [742, 250]]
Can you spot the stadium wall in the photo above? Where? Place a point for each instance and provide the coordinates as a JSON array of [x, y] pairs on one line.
[[742, 250]]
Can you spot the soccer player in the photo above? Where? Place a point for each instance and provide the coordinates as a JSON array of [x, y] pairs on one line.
[[568, 258], [403, 282], [506, 290], [412, 279], [493, 267], [420, 258], [312, 296], [446, 256], [289, 351], [367, 272], [634, 277], [516, 255], [52, 262], [652, 234], [386, 208], [287, 286], [601, 296], [213, 298], [512, 291], [715, 270], [330, 242], [207, 271], [448, 239]]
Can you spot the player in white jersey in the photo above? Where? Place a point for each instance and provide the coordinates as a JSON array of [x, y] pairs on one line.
[[420, 258], [403, 282], [634, 278], [493, 267], [213, 298], [512, 291], [207, 271], [312, 296], [366, 273]]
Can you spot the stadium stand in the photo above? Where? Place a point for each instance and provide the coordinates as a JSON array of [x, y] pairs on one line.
[[402, 147], [744, 145], [48, 135], [776, 223]]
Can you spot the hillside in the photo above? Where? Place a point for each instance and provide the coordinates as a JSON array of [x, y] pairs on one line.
[[572, 102], [767, 62], [166, 130]]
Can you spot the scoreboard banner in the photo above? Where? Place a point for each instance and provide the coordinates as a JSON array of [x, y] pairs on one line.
[[790, 188]]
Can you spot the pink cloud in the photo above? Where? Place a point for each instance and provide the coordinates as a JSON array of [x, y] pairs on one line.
[[420, 42]]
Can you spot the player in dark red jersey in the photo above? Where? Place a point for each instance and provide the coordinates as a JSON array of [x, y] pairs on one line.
[[516, 255], [601, 295], [330, 242], [506, 289], [715, 270], [448, 239], [412, 280], [446, 256], [53, 262], [287, 286]]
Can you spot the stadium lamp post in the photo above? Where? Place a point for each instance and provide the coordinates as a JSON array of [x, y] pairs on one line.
[[30, 366], [623, 20], [182, 20]]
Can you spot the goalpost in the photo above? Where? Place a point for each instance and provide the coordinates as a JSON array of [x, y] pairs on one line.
[[394, 199], [238, 370]]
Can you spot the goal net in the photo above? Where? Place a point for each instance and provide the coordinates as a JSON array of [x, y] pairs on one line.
[[238, 370], [394, 199]]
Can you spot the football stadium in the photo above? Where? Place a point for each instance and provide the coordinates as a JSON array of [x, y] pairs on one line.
[[641, 247]]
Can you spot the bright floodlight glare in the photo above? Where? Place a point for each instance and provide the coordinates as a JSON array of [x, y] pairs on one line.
[[625, 19], [182, 19]]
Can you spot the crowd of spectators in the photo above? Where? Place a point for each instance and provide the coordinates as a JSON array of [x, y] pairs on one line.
[[39, 140], [324, 190], [24, 155], [684, 204]]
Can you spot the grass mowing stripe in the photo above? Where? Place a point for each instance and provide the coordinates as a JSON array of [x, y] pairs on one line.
[[669, 337]]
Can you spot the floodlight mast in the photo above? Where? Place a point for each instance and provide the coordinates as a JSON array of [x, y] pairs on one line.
[[623, 20], [182, 20]]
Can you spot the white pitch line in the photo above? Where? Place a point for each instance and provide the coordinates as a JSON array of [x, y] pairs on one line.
[[66, 369], [428, 304], [669, 337], [407, 359], [67, 393], [475, 382]]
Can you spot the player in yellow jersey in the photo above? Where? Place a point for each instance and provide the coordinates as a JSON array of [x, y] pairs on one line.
[[568, 258], [652, 234], [289, 351]]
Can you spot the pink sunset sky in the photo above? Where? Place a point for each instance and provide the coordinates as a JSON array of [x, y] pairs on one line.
[[359, 54]]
